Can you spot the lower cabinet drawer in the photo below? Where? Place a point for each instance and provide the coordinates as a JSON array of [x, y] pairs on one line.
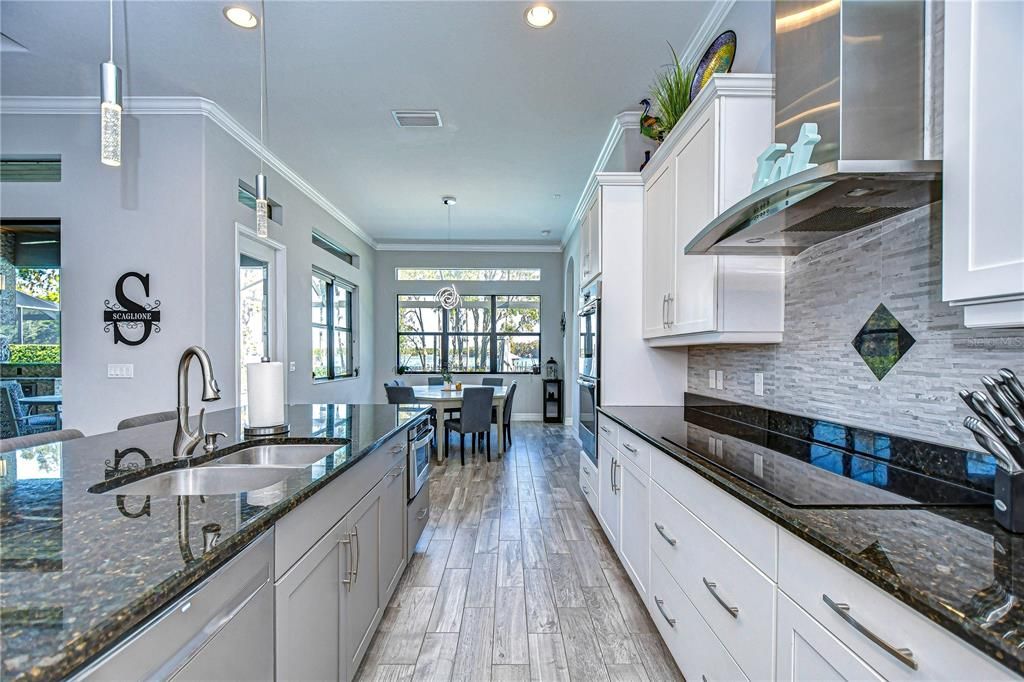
[[875, 625], [635, 449], [735, 599], [418, 515], [588, 473], [696, 650]]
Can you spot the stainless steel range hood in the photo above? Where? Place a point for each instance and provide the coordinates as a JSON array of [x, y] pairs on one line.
[[856, 69]]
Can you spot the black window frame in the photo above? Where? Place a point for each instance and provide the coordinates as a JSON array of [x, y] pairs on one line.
[[445, 335], [331, 281]]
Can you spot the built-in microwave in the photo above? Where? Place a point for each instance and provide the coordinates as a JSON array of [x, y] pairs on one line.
[[421, 435]]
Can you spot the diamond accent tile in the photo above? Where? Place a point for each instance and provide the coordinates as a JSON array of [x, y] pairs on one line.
[[882, 342]]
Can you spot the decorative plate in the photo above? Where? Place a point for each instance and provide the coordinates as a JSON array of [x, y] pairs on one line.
[[717, 59]]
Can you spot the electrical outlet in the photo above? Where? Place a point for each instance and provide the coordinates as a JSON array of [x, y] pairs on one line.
[[120, 371], [719, 379], [758, 383], [758, 465], [711, 378], [291, 366], [711, 444]]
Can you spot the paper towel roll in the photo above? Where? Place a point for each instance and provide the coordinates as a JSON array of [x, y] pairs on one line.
[[265, 393]]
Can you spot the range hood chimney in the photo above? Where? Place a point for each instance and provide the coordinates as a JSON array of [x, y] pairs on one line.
[[856, 69]]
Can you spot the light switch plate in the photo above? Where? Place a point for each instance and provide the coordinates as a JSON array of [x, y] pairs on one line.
[[291, 366], [719, 379], [711, 378], [120, 371], [758, 383]]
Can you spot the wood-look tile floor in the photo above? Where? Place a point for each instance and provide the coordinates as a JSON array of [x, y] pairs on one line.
[[514, 580]]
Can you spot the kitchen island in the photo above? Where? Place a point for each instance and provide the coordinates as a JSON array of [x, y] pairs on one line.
[[83, 567]]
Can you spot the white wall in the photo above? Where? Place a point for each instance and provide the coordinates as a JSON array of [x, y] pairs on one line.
[[169, 211], [753, 23], [550, 288], [571, 260]]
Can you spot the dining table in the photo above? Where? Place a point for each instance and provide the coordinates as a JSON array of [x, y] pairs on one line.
[[451, 399], [33, 402]]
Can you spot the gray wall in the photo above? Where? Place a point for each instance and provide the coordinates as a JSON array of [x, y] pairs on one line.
[[550, 288], [170, 211]]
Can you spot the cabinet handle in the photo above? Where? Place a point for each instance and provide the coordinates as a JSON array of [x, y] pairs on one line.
[[396, 472], [605, 429], [664, 309], [661, 607], [629, 447], [614, 466], [347, 582], [584, 488], [668, 538], [397, 448], [671, 317], [422, 515], [903, 655], [355, 536], [734, 611]]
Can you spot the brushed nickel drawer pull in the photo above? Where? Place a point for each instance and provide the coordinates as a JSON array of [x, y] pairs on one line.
[[422, 515], [668, 538], [661, 607], [347, 582], [903, 655], [629, 447], [606, 429], [355, 535], [734, 611]]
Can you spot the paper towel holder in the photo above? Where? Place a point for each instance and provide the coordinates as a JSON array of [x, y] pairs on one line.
[[265, 431]]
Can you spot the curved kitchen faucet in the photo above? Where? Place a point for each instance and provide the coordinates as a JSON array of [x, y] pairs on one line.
[[185, 439]]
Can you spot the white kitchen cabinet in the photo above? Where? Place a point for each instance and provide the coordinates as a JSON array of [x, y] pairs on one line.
[[363, 607], [807, 652], [392, 530], [311, 612], [634, 523], [608, 494], [983, 164], [703, 167], [590, 241]]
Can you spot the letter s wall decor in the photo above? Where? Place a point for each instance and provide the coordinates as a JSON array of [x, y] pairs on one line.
[[129, 314]]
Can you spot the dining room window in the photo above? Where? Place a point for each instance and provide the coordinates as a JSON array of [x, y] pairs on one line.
[[484, 335], [333, 340]]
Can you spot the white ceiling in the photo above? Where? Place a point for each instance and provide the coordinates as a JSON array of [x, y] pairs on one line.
[[525, 111]]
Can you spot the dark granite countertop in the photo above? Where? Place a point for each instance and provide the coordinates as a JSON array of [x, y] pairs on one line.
[[78, 569], [954, 565]]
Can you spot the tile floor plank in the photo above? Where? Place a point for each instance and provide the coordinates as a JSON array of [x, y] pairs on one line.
[[582, 649], [541, 613], [437, 657], [510, 642], [482, 581], [510, 673], [446, 615], [547, 659], [510, 563], [473, 654]]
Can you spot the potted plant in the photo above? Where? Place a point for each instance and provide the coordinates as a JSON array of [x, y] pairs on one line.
[[446, 376], [401, 369], [671, 95]]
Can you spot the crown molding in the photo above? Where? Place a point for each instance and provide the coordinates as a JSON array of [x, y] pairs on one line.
[[511, 247], [198, 106], [707, 32], [626, 120], [621, 179]]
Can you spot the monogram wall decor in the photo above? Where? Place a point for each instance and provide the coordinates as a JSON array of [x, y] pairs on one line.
[[126, 313]]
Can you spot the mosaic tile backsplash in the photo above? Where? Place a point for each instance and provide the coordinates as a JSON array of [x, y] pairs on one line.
[[831, 290]]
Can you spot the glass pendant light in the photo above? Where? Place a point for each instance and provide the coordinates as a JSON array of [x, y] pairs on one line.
[[262, 199], [110, 105], [447, 296]]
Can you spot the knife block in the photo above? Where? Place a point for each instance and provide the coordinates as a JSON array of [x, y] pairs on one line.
[[1009, 502]]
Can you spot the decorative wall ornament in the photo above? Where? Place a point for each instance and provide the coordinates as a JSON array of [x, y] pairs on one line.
[[126, 313], [717, 59], [882, 342], [775, 163]]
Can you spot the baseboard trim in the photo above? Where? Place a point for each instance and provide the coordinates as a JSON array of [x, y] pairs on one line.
[[527, 417]]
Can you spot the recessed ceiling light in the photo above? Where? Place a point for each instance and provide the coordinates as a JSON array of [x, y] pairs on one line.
[[545, 232], [540, 16], [240, 16], [556, 196]]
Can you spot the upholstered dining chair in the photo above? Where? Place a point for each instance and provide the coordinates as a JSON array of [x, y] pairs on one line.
[[14, 421], [400, 395], [147, 419], [435, 381], [505, 427], [475, 418], [35, 439], [492, 381]]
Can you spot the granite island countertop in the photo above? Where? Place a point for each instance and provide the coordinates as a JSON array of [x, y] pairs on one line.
[[954, 565], [79, 570]]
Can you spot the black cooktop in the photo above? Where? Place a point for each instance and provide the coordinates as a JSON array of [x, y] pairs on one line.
[[808, 473]]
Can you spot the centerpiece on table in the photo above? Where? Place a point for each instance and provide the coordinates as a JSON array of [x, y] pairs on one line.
[[446, 376]]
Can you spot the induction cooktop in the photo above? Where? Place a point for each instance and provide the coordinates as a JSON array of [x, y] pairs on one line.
[[810, 474]]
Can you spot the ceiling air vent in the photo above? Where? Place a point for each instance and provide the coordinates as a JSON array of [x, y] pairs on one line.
[[417, 119]]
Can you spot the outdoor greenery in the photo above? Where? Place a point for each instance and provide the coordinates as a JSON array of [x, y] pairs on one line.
[[34, 353], [468, 274], [41, 283]]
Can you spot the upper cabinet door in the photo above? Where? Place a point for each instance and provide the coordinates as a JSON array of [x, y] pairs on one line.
[[594, 220], [983, 166], [659, 250], [693, 305]]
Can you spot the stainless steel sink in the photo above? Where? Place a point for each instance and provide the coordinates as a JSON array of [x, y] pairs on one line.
[[206, 480], [289, 455]]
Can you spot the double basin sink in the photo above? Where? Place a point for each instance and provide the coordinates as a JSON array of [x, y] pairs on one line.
[[246, 470]]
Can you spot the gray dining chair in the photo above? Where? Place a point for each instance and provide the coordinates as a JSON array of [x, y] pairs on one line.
[[475, 418], [492, 381], [435, 381], [14, 419], [505, 427], [147, 419], [400, 395], [36, 439]]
